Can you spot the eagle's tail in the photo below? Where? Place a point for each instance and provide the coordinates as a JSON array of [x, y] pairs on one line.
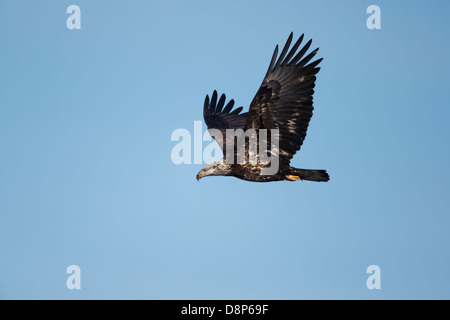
[[305, 174]]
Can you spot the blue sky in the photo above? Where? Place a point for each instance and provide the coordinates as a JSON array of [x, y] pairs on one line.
[[86, 176]]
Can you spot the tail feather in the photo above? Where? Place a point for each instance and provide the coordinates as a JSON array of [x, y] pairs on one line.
[[311, 175]]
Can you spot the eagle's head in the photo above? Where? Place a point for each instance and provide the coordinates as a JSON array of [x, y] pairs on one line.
[[219, 168]]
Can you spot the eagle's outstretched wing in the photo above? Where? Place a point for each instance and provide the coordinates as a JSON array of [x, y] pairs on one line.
[[222, 118], [285, 99]]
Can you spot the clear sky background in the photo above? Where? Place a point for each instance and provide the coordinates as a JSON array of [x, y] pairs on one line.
[[86, 176]]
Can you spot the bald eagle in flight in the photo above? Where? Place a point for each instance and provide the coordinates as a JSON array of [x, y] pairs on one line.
[[283, 106]]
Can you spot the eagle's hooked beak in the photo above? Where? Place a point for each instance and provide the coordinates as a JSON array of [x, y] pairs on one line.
[[200, 175]]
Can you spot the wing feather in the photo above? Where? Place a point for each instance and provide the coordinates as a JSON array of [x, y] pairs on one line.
[[219, 118], [285, 99]]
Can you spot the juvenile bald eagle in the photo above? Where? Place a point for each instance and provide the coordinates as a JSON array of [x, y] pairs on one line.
[[284, 102]]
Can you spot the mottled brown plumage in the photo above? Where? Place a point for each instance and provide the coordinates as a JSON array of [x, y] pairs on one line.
[[283, 102]]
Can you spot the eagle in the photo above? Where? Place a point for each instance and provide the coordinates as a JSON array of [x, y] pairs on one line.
[[281, 109]]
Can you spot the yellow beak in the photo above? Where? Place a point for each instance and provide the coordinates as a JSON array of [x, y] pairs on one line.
[[200, 175]]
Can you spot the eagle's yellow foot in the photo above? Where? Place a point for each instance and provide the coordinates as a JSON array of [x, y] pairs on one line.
[[290, 177]]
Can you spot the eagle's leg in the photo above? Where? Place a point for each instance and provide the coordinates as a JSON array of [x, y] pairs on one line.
[[306, 174], [291, 177]]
